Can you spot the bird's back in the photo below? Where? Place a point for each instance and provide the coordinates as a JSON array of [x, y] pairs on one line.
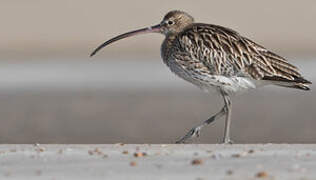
[[203, 51]]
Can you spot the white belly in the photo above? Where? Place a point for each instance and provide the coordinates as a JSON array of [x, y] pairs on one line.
[[208, 83]]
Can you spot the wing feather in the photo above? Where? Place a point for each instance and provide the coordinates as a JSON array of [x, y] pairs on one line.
[[231, 54]]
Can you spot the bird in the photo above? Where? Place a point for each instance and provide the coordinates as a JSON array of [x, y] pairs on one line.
[[217, 58]]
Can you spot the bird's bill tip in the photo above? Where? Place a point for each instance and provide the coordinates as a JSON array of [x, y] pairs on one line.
[[92, 54]]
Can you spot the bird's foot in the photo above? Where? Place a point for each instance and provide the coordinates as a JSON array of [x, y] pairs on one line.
[[227, 141], [194, 132]]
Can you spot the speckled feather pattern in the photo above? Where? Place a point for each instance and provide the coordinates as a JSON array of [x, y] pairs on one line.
[[212, 55]]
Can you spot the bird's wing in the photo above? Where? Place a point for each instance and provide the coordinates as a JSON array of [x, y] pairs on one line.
[[225, 52]]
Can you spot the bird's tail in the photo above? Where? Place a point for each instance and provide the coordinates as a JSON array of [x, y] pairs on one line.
[[304, 87], [297, 83]]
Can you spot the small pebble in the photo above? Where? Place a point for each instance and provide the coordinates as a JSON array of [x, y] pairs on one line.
[[90, 152], [242, 154], [262, 174], [125, 152], [229, 172], [216, 156], [97, 150], [236, 155], [140, 154], [251, 151], [196, 162], [133, 163]]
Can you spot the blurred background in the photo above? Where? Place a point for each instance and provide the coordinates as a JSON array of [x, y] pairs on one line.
[[52, 92]]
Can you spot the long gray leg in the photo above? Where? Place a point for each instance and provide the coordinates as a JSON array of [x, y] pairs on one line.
[[228, 105], [196, 130]]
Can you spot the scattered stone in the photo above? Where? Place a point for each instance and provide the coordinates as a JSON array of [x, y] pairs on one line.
[[97, 151], [217, 156], [251, 151], [125, 152], [239, 155], [140, 154], [133, 163], [90, 152], [236, 155], [39, 148], [229, 172], [196, 162], [262, 174]]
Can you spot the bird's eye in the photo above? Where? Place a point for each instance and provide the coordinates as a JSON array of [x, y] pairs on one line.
[[170, 22]]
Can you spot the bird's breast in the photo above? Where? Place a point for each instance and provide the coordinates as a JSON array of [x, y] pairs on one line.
[[166, 48], [177, 63]]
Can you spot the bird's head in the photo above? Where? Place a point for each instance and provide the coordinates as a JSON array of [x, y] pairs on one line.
[[172, 23], [175, 21]]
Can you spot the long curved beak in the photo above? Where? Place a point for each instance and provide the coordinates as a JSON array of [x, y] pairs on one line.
[[151, 29]]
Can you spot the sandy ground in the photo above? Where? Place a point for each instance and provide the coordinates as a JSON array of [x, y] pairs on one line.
[[119, 161]]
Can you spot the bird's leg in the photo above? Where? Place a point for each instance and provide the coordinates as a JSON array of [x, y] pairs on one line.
[[228, 108], [196, 130]]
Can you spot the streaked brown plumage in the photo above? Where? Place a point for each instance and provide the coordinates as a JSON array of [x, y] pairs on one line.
[[215, 57]]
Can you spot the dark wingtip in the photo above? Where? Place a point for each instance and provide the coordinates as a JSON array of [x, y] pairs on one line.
[[303, 80], [302, 87], [295, 80]]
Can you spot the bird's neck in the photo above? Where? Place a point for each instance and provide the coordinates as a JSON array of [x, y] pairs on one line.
[[166, 46]]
